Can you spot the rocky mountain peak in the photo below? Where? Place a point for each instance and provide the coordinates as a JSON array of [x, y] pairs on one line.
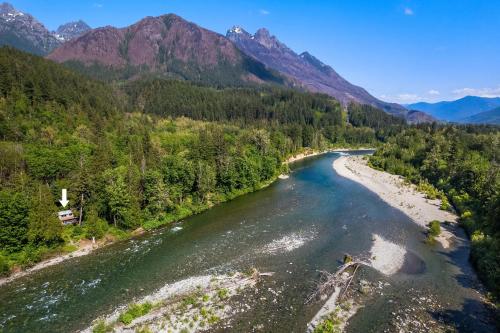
[[263, 34], [305, 70], [9, 13], [237, 32], [167, 45], [71, 30], [264, 37], [236, 29], [6, 8], [24, 32]]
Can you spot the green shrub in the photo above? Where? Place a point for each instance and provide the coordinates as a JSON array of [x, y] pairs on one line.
[[126, 318], [468, 222], [466, 214], [434, 228], [118, 233], [101, 327], [430, 240], [430, 191], [95, 226], [223, 293], [329, 325], [135, 311], [445, 204], [68, 248], [77, 231], [144, 329], [189, 300], [4, 266], [31, 255], [213, 319], [484, 255]]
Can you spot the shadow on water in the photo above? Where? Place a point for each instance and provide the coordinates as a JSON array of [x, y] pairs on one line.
[[459, 256], [413, 264], [475, 314], [474, 317]]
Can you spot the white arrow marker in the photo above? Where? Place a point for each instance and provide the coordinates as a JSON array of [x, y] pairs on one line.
[[64, 201]]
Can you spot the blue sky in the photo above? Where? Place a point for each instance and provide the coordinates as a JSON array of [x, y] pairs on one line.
[[399, 50]]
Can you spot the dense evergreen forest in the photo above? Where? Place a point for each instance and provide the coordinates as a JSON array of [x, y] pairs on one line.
[[144, 153], [139, 155]]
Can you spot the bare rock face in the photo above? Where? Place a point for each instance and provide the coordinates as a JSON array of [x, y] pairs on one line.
[[24, 32], [304, 69], [102, 43], [419, 117], [71, 30], [165, 44]]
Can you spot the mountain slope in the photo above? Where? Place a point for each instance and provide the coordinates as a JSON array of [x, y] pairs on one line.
[[24, 32], [459, 109], [418, 117], [488, 117], [304, 69], [71, 30], [166, 45]]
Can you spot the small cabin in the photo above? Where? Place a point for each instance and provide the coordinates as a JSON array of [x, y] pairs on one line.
[[66, 217]]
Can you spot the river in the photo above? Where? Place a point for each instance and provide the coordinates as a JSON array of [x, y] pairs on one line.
[[295, 227]]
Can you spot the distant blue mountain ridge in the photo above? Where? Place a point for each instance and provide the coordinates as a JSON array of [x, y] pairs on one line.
[[487, 117], [462, 110]]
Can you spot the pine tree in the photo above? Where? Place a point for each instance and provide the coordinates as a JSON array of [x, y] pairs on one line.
[[44, 226]]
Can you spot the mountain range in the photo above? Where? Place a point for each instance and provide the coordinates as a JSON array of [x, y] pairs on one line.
[[304, 69], [24, 32], [170, 46], [487, 117], [462, 110], [166, 45]]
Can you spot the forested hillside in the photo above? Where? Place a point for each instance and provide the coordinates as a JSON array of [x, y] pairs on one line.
[[142, 156], [309, 120], [461, 165]]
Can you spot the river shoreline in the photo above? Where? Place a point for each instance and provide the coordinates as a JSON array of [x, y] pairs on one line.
[[393, 190], [312, 153], [84, 248], [87, 247]]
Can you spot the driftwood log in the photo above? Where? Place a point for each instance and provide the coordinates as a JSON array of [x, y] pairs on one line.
[[329, 281]]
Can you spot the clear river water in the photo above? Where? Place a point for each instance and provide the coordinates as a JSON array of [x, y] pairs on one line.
[[320, 214]]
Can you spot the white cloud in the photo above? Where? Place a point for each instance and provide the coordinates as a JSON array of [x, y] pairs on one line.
[[264, 12], [404, 98], [407, 98], [408, 11], [97, 5], [481, 92]]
